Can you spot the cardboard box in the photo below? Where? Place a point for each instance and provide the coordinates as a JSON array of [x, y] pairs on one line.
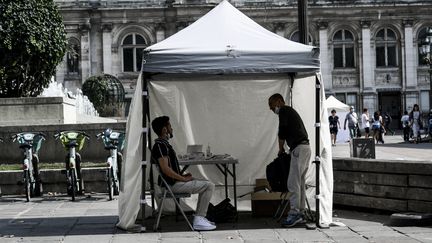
[[265, 203]]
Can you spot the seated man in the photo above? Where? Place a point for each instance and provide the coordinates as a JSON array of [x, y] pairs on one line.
[[164, 153]]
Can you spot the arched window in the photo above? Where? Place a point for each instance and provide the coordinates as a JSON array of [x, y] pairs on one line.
[[420, 39], [133, 46], [386, 48], [73, 56], [296, 37], [343, 49]]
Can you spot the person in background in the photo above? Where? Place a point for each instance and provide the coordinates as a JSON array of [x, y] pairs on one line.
[[406, 126], [416, 123], [352, 120], [365, 122], [430, 125], [387, 122], [334, 126], [377, 127], [293, 132]]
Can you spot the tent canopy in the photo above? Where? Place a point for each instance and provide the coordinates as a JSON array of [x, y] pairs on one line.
[[333, 103], [255, 63], [227, 41]]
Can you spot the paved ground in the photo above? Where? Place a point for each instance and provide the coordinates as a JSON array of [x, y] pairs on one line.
[[394, 148], [92, 219]]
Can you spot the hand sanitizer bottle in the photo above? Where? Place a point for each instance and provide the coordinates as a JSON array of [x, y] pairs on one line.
[[208, 152]]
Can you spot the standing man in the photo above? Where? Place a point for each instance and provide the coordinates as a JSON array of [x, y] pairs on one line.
[[406, 126], [165, 155], [293, 132], [365, 122], [352, 119]]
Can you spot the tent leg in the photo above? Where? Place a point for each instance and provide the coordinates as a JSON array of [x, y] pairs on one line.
[[317, 153], [145, 132]]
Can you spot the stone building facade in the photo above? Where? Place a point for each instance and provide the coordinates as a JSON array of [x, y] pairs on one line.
[[369, 48]]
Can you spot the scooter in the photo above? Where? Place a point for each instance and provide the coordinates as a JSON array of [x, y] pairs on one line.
[[30, 143], [114, 142], [73, 141]]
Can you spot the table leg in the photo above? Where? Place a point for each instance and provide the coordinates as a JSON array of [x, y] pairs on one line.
[[235, 187], [226, 180]]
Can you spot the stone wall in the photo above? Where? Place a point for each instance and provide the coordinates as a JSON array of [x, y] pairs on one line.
[[52, 150], [37, 110], [398, 186]]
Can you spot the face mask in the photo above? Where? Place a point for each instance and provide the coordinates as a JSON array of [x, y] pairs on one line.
[[276, 110]]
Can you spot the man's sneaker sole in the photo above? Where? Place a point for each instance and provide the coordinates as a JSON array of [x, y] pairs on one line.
[[293, 224], [204, 228]]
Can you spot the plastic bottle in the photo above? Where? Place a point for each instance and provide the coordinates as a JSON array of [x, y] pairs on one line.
[[208, 152]]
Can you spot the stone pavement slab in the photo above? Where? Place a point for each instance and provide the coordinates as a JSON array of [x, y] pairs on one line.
[[93, 219]]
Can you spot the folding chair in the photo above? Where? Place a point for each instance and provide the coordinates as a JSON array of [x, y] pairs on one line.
[[166, 192], [285, 196]]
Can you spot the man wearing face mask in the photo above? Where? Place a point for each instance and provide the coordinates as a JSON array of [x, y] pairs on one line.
[[292, 132], [164, 153]]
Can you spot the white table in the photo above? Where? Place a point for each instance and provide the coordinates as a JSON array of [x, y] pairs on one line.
[[222, 163]]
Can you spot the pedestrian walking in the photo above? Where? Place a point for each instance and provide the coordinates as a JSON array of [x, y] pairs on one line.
[[406, 126], [365, 122], [377, 127], [416, 123], [387, 121], [352, 120], [334, 126]]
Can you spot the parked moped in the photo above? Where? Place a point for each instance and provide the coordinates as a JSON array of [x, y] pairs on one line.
[[73, 141], [30, 143], [114, 142]]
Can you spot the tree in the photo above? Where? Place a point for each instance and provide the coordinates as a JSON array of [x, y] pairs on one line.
[[32, 43]]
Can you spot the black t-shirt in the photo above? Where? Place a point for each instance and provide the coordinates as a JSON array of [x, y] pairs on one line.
[[291, 127], [333, 121], [162, 148]]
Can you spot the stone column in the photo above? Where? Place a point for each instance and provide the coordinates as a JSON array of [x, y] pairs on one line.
[[325, 57], [368, 71], [160, 32], [370, 100], [106, 48], [410, 62], [279, 28], [85, 55]]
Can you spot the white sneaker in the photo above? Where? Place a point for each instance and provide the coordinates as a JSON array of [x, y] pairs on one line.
[[202, 224]]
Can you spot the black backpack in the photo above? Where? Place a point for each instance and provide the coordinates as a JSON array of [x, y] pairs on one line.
[[277, 173], [222, 212]]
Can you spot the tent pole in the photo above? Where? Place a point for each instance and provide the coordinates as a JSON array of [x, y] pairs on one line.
[[317, 152], [145, 131]]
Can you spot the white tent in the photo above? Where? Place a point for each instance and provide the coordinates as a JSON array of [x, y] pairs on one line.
[[342, 110], [213, 79]]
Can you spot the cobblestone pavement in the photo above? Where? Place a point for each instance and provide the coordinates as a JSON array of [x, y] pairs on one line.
[[92, 219]]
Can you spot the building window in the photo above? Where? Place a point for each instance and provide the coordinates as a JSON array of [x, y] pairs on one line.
[[352, 100], [73, 57], [295, 37], [133, 46], [343, 49], [421, 37], [386, 48], [341, 97], [424, 101]]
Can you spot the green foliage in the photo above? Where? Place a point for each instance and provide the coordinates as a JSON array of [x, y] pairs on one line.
[[105, 92], [32, 43]]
